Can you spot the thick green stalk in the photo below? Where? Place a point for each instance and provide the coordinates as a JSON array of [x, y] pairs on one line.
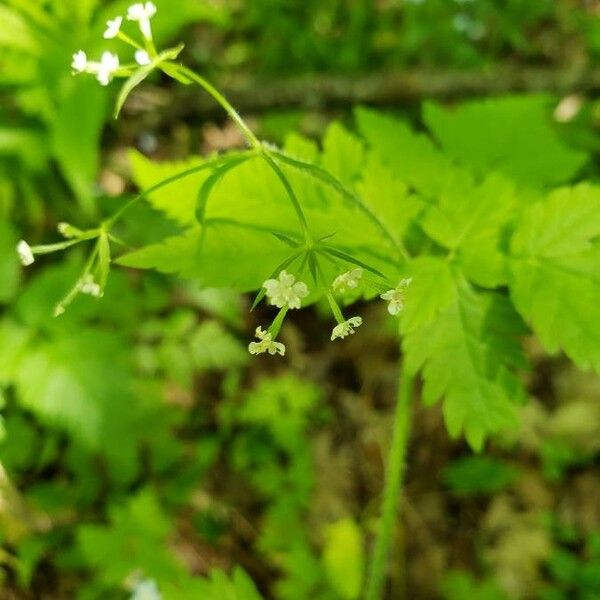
[[392, 491]]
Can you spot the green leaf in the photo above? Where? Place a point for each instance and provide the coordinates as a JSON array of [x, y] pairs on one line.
[[134, 540], [513, 135], [413, 157], [472, 221], [10, 271], [555, 272], [343, 558], [467, 343], [75, 136], [64, 383], [230, 256], [388, 196], [479, 474], [16, 32], [178, 199], [217, 586], [343, 154]]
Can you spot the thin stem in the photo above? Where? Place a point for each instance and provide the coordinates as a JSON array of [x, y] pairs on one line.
[[392, 491], [329, 180], [232, 113], [157, 186], [291, 194]]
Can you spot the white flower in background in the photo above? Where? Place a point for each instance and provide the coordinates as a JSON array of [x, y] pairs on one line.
[[346, 328], [396, 297], [80, 62], [112, 28], [89, 287], [146, 589], [103, 70], [266, 344], [142, 13], [285, 290], [106, 68], [347, 281], [25, 253], [142, 58]]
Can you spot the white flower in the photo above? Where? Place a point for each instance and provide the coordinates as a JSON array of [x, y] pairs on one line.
[[346, 328], [347, 281], [142, 13], [80, 62], [25, 253], [285, 290], [142, 58], [112, 28], [396, 296], [88, 286], [106, 68], [146, 589], [266, 344]]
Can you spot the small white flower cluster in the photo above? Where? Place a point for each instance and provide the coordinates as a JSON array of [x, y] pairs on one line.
[[89, 287], [346, 328], [266, 344], [347, 281], [25, 253], [396, 297], [104, 70], [109, 65], [284, 293]]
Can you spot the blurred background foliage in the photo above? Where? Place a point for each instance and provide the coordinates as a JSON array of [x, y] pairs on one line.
[[139, 444]]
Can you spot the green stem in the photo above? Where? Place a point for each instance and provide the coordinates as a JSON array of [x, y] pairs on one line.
[[392, 491], [291, 195], [252, 140], [108, 223]]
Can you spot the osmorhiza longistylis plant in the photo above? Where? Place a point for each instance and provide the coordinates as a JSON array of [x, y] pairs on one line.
[[470, 252]]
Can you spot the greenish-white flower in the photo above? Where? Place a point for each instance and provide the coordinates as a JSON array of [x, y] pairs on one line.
[[285, 291], [396, 297], [347, 281], [266, 344], [113, 27], [142, 13], [146, 589], [346, 328], [25, 253], [89, 287]]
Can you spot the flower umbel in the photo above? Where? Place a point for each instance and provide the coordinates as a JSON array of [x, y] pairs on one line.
[[347, 281], [396, 297], [285, 290], [142, 13], [266, 344], [25, 253], [112, 28], [346, 328]]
